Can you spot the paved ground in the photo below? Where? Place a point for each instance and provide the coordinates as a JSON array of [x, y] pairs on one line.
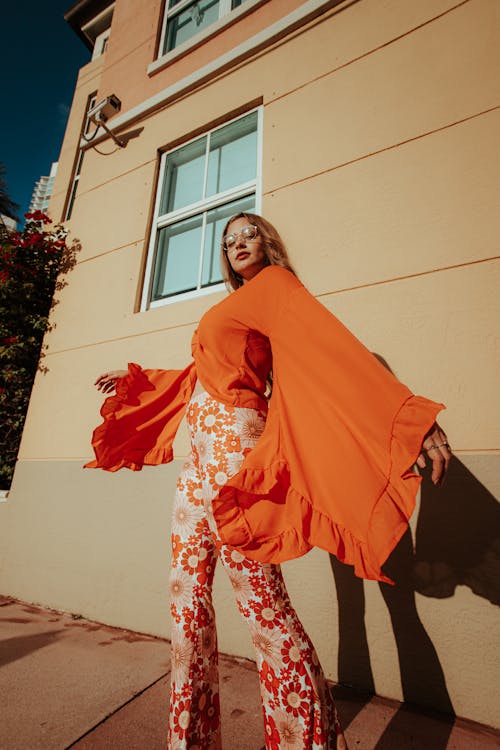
[[66, 682]]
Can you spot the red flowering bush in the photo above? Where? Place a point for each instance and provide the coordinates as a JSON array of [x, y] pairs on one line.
[[31, 264]]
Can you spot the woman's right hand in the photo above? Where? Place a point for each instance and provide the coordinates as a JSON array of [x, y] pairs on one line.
[[107, 381]]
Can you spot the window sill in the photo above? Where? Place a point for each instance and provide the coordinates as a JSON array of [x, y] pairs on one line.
[[183, 49], [184, 296]]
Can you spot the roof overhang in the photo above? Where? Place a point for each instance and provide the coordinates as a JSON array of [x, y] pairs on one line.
[[88, 18]]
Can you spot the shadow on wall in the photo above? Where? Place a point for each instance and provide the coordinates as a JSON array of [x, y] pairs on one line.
[[457, 543]]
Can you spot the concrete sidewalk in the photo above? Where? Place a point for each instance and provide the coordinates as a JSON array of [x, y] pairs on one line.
[[67, 682]]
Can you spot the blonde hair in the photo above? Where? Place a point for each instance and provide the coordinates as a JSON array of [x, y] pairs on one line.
[[273, 246]]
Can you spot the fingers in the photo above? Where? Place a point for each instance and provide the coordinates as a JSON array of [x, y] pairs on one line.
[[100, 378], [106, 382], [438, 449], [421, 461]]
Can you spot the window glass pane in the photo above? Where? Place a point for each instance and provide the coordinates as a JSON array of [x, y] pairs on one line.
[[233, 155], [190, 21], [184, 172], [178, 257], [216, 220], [71, 201], [235, 3]]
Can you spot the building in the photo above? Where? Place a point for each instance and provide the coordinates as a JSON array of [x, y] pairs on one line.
[[368, 133], [8, 222], [43, 190]]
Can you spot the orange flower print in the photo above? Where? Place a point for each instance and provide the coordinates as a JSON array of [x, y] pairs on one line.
[[258, 584], [207, 704], [205, 573], [249, 426], [176, 547], [272, 734], [295, 698], [189, 559], [269, 679], [216, 476], [292, 658], [298, 711], [290, 731], [201, 529], [186, 516], [234, 559], [194, 492], [202, 447], [187, 467], [319, 733], [208, 421], [265, 615], [208, 642], [189, 625], [182, 717], [193, 411], [241, 585], [181, 588], [175, 615], [181, 654], [232, 443], [268, 645]]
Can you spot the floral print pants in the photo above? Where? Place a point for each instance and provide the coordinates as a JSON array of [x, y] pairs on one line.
[[299, 713]]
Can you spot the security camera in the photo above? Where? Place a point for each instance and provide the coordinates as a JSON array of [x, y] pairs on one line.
[[104, 109]]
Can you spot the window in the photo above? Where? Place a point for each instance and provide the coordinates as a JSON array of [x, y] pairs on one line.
[[185, 18], [79, 160], [201, 184], [101, 44]]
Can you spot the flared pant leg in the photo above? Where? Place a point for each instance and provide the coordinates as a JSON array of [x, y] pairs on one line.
[[299, 712], [194, 715]]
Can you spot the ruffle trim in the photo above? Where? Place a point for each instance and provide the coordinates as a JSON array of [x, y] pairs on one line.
[[127, 439], [387, 523]]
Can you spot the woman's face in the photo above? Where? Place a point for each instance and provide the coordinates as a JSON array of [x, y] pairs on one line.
[[246, 257]]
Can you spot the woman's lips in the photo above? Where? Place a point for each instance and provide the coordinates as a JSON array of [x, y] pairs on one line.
[[243, 254]]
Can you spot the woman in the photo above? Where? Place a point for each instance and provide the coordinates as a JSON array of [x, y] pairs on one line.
[[327, 464]]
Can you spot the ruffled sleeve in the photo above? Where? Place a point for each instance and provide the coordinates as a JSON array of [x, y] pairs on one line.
[[141, 419], [333, 468]]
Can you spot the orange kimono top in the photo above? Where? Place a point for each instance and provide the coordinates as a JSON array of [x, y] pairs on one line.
[[333, 467]]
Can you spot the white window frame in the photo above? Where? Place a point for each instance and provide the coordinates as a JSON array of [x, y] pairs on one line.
[[101, 43], [252, 187], [226, 15], [79, 161]]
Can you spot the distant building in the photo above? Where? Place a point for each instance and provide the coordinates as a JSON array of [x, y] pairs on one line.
[[43, 190], [10, 224]]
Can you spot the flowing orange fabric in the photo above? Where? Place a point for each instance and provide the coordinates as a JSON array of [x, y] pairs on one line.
[[333, 468], [141, 419]]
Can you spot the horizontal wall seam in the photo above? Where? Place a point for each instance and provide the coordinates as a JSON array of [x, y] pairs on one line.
[[410, 276], [382, 150], [118, 177], [147, 41], [108, 252], [175, 327], [372, 51], [41, 459], [324, 294]]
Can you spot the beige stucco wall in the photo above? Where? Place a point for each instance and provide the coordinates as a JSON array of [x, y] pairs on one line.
[[380, 167]]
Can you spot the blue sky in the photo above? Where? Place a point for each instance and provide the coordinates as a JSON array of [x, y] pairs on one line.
[[41, 56]]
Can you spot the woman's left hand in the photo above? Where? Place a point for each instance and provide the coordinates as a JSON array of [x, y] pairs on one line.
[[436, 445]]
